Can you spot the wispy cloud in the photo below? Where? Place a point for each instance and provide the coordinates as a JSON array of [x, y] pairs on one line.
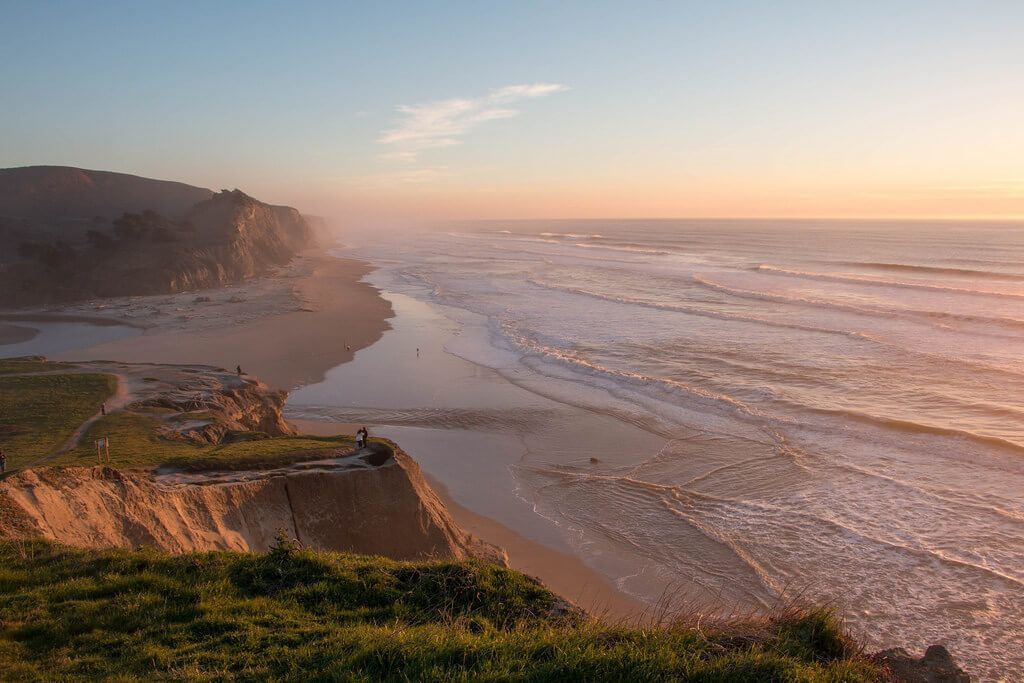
[[442, 123]]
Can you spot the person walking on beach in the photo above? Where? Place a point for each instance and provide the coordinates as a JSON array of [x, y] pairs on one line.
[[103, 409], [361, 437], [3, 461], [239, 370]]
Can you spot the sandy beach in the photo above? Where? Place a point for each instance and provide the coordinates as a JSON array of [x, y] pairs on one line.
[[16, 334], [288, 329], [563, 573]]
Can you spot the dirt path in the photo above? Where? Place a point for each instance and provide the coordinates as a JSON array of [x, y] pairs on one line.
[[121, 398]]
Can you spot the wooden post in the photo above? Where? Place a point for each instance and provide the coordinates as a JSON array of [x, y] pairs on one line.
[[103, 449]]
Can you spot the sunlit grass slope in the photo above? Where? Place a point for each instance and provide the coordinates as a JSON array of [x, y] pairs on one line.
[[40, 412], [294, 614]]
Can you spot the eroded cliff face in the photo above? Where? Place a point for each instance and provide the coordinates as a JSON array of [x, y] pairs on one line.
[[357, 507], [222, 240], [237, 237], [209, 405]]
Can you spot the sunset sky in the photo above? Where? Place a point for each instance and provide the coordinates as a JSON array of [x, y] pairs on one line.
[[567, 109]]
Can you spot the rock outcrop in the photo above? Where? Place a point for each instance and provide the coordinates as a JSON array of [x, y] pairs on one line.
[[345, 504], [199, 404], [211, 407], [71, 234]]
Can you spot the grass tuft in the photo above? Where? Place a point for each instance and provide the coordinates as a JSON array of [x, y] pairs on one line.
[[295, 614]]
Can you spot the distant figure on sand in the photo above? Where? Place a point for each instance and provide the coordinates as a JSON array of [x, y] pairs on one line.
[[239, 370], [103, 409], [361, 437], [3, 461]]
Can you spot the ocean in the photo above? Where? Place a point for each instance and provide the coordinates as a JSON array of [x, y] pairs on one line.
[[836, 409]]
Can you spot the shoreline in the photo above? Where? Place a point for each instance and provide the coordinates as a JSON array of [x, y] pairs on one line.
[[311, 318], [478, 436], [328, 314], [16, 334], [563, 573]]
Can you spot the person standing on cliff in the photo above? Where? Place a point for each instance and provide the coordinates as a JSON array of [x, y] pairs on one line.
[[361, 437], [239, 370]]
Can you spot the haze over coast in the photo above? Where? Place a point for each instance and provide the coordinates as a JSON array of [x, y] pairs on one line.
[[576, 341], [488, 368]]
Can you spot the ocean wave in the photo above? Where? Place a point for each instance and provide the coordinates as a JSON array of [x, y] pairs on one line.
[[577, 362], [907, 426], [691, 501], [899, 313], [837, 277], [572, 235], [912, 427], [944, 496], [635, 250], [935, 270], [704, 313]]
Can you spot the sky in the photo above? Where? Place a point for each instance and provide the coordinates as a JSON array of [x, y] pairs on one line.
[[389, 112]]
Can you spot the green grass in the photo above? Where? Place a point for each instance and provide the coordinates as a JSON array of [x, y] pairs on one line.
[[299, 615], [30, 364], [135, 442], [38, 413]]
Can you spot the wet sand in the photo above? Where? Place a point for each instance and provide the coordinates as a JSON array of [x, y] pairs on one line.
[[477, 436], [330, 316], [562, 572], [16, 334]]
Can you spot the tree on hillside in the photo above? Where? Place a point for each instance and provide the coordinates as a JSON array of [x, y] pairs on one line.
[[130, 227], [54, 255], [99, 240], [162, 233]]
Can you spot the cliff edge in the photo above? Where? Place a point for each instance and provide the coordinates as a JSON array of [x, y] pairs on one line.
[[195, 458], [70, 234], [344, 504]]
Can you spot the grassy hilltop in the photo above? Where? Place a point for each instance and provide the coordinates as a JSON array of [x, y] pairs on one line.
[[44, 403], [294, 614]]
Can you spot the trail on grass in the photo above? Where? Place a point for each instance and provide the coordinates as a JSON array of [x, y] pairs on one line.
[[121, 398]]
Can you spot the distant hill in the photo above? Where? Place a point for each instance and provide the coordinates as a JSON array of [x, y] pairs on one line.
[[69, 234], [59, 193]]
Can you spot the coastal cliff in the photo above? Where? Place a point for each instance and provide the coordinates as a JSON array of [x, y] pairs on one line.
[[384, 510], [197, 458], [71, 234]]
